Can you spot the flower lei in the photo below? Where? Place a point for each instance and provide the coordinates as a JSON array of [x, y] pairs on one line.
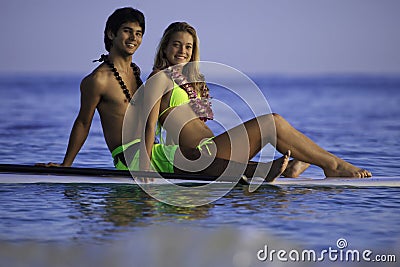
[[200, 105]]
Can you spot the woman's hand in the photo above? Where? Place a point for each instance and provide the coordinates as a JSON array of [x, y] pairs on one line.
[[50, 164]]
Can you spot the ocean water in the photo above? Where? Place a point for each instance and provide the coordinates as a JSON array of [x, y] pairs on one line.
[[354, 117]]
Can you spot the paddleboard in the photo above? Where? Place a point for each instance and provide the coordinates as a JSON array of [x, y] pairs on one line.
[[356, 182], [14, 174]]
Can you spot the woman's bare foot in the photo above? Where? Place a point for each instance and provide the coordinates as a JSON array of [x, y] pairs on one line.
[[295, 168], [278, 167], [345, 169]]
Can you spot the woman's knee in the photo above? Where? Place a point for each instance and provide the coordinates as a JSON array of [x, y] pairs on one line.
[[276, 116], [278, 119], [270, 119], [280, 123]]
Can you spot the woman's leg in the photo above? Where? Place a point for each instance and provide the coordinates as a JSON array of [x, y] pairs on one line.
[[304, 149], [187, 160], [295, 168], [274, 129]]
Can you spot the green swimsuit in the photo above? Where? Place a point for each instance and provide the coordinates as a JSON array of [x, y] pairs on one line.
[[178, 97], [162, 156]]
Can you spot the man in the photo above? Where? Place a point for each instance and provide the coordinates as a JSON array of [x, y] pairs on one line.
[[110, 86]]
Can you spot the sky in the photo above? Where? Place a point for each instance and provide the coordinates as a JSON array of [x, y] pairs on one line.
[[289, 37]]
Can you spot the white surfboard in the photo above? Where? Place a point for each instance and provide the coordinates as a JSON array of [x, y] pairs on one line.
[[28, 178], [357, 182]]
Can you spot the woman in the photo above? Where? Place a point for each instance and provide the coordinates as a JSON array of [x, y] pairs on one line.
[[177, 55]]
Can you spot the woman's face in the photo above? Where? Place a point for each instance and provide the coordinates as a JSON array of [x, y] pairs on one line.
[[179, 49]]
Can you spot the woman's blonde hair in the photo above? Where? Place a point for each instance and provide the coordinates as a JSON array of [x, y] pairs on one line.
[[192, 70]]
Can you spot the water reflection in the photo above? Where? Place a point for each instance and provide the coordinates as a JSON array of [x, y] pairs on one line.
[[128, 206], [314, 216]]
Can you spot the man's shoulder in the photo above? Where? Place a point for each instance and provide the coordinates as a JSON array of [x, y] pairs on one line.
[[99, 78]]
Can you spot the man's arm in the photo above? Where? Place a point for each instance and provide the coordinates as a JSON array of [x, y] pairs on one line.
[[90, 97]]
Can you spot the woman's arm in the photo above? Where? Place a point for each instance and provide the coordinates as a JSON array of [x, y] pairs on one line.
[[154, 89]]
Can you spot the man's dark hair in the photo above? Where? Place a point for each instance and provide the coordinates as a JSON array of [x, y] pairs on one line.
[[119, 17]]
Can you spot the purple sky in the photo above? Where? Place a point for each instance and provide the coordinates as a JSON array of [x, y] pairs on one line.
[[257, 36]]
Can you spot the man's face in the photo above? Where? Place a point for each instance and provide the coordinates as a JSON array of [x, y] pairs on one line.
[[128, 38]]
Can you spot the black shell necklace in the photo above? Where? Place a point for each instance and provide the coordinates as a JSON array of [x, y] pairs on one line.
[[136, 72]]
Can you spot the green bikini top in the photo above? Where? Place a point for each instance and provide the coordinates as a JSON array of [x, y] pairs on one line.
[[187, 95], [178, 97]]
